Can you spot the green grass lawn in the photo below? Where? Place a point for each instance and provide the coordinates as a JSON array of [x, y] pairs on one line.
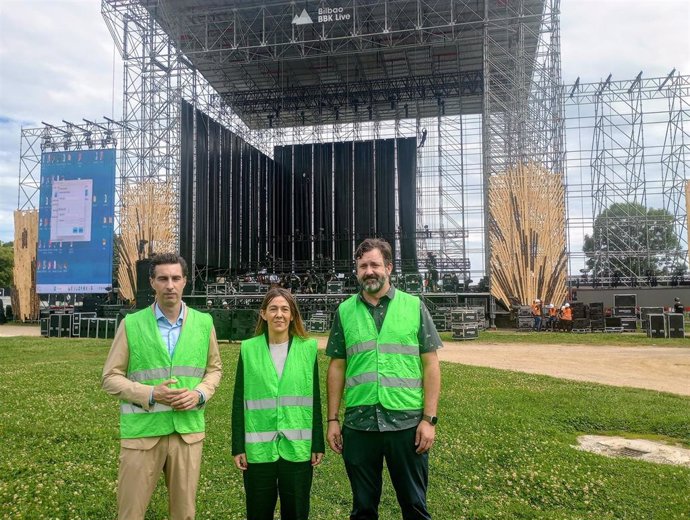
[[504, 446]]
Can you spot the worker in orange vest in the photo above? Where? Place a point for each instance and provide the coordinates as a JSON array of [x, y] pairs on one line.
[[552, 320], [536, 314], [566, 318]]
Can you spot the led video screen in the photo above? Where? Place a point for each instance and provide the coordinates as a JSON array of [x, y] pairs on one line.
[[75, 222]]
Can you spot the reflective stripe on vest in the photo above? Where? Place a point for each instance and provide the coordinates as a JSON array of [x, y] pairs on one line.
[[278, 414], [392, 382], [166, 373], [291, 435], [383, 367], [265, 404], [150, 364], [126, 408]]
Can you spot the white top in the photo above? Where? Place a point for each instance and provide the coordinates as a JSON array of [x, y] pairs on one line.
[[279, 353]]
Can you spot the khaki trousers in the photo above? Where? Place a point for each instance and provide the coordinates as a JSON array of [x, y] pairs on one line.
[[141, 469]]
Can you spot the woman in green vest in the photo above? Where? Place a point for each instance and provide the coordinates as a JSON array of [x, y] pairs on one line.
[[277, 433]]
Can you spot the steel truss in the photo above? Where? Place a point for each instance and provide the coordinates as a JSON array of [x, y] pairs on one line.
[[495, 102], [629, 147], [354, 96], [523, 112], [156, 78], [67, 137], [628, 140]]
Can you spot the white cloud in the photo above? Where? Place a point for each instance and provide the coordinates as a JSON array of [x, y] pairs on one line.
[[624, 37], [56, 62]]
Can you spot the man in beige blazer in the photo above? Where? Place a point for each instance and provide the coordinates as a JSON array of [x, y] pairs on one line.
[[160, 397]]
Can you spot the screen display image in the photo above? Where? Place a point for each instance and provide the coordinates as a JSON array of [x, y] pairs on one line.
[[76, 222]]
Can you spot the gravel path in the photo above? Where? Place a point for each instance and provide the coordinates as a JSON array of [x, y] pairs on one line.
[[656, 368]]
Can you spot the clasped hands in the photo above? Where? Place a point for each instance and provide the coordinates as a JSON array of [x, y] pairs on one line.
[[176, 398]]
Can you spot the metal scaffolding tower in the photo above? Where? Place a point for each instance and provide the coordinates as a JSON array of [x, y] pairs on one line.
[[480, 80], [476, 81], [628, 163]]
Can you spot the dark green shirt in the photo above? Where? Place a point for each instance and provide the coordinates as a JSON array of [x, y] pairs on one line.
[[376, 417]]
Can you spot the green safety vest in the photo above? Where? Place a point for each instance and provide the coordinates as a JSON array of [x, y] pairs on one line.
[[278, 414], [150, 364], [383, 367]]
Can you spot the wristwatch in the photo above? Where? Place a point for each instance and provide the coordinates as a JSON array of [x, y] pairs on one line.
[[431, 419]]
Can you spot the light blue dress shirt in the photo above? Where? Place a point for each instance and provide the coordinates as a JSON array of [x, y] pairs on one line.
[[170, 332]]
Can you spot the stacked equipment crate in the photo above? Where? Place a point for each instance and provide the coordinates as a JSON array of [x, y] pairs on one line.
[[334, 287], [581, 326], [464, 323], [67, 324], [675, 326], [103, 328], [60, 325], [525, 321], [481, 317], [596, 317], [655, 325], [440, 316], [652, 321], [613, 324], [624, 307], [318, 322], [646, 311]]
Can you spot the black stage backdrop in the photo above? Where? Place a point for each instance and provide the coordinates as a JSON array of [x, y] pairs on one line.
[[354, 182], [308, 207], [202, 201], [407, 190], [342, 211], [187, 182]]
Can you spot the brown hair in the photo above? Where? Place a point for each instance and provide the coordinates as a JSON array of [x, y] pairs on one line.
[[369, 244], [296, 325], [167, 259]]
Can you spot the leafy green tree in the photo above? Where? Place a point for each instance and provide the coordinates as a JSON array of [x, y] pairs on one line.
[[629, 239], [6, 263]]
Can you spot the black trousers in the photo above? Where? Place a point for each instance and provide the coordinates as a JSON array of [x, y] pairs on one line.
[[264, 482], [363, 454]]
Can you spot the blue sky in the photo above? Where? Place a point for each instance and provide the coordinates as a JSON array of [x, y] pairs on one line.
[[58, 61]]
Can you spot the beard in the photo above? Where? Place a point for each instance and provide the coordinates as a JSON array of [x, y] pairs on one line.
[[373, 284]]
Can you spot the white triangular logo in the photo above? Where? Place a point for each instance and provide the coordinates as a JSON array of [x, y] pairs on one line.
[[302, 19]]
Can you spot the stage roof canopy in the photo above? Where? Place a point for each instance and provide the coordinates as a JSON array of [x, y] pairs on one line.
[[281, 63]]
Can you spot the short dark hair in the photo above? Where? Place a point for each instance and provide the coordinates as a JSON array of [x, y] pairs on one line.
[[167, 259], [369, 244]]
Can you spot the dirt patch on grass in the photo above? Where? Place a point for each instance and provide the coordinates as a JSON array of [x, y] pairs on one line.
[[640, 449]]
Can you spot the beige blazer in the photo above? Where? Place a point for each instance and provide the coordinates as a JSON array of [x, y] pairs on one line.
[[114, 381]]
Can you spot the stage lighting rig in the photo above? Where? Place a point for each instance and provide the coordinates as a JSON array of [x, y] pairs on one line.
[[46, 143], [49, 141], [85, 131], [108, 139]]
